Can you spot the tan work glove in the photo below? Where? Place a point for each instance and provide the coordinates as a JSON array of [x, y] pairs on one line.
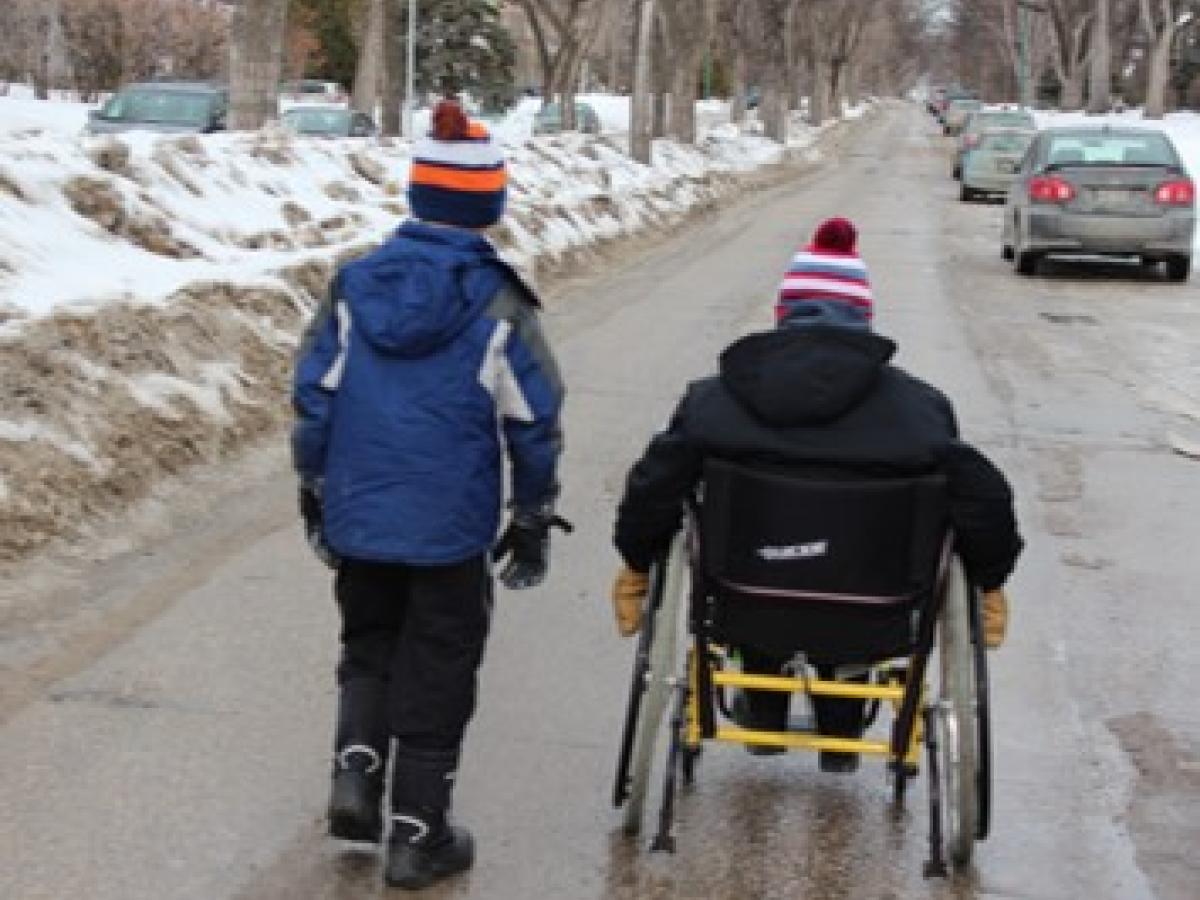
[[629, 596], [995, 618]]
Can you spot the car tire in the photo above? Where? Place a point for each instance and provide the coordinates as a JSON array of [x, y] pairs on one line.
[[966, 194], [1006, 253], [956, 174], [1027, 261], [1179, 267]]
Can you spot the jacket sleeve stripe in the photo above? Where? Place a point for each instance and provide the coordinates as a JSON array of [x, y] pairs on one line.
[[499, 380], [333, 376]]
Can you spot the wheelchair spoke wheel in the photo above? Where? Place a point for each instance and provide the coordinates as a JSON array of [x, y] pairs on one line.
[[660, 669], [955, 720]]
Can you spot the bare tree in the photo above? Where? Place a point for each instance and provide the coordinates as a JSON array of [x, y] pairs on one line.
[[563, 31], [370, 58], [255, 61], [1160, 19], [1100, 71], [1072, 23], [687, 30], [395, 42]]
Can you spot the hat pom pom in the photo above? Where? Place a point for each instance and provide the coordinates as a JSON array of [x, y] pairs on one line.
[[838, 235], [449, 122]]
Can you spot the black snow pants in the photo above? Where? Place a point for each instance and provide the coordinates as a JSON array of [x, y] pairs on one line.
[[412, 641], [769, 709]]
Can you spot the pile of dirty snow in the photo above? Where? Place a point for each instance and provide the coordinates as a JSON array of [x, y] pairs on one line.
[[152, 288]]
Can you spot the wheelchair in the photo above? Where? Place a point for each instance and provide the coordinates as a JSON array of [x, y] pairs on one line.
[[826, 570]]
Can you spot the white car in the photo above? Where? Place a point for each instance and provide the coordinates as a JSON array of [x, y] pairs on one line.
[[308, 90]]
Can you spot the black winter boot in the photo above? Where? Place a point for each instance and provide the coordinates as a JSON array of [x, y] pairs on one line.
[[355, 802], [423, 846]]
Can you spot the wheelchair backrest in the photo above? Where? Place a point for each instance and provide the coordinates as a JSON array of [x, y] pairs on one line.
[[767, 532]]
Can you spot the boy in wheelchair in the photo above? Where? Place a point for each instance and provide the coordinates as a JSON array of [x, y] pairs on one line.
[[816, 396]]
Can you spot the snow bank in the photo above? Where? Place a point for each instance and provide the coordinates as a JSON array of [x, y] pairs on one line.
[[152, 289]]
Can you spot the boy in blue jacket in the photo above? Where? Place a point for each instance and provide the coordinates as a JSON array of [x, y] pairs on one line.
[[425, 364]]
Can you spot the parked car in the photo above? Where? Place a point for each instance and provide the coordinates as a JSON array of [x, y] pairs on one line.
[[179, 107], [309, 90], [949, 96], [990, 166], [1105, 190], [986, 118], [329, 121], [955, 116], [549, 119]]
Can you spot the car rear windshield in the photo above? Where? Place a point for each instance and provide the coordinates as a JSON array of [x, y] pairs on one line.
[[1149, 149], [161, 107], [1005, 143], [322, 121]]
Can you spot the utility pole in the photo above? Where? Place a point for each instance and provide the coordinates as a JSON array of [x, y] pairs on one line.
[[640, 112], [410, 75]]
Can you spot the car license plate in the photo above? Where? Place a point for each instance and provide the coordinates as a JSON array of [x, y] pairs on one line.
[[1006, 166], [1113, 196]]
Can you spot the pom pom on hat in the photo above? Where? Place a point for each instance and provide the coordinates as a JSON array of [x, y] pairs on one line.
[[837, 235]]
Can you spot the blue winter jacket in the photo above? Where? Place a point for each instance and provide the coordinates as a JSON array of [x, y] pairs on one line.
[[427, 355]]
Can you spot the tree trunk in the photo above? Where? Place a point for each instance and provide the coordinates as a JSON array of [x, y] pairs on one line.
[[394, 41], [773, 108], [1100, 73], [1072, 90], [1158, 72], [41, 71], [640, 116], [370, 59], [658, 125], [255, 62], [683, 100], [818, 101], [737, 103]]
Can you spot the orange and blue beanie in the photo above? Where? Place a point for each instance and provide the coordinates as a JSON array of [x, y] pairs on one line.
[[828, 272], [458, 175]]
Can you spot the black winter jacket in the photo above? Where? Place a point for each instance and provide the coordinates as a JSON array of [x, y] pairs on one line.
[[819, 399]]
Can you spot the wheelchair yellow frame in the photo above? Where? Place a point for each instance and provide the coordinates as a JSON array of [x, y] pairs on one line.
[[892, 692]]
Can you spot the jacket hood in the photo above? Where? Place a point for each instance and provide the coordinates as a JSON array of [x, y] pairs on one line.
[[418, 291], [802, 376]]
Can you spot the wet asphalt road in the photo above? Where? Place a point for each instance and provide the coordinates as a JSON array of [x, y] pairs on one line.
[[186, 753]]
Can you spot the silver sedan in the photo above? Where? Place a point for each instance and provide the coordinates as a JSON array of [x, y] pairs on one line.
[[1099, 189]]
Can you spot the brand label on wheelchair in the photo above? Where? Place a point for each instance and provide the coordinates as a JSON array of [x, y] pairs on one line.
[[794, 551]]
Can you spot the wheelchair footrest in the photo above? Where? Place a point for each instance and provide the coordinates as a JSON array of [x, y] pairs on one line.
[[802, 741]]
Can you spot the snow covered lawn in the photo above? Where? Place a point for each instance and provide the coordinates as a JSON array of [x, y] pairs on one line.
[[152, 289]]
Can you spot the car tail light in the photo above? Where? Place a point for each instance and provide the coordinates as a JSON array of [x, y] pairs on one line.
[[1181, 192], [1050, 189]]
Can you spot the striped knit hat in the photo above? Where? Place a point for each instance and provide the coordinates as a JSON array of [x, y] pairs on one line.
[[458, 175], [827, 270]]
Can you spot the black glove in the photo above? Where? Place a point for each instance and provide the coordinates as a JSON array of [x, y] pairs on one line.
[[526, 543], [312, 511]]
